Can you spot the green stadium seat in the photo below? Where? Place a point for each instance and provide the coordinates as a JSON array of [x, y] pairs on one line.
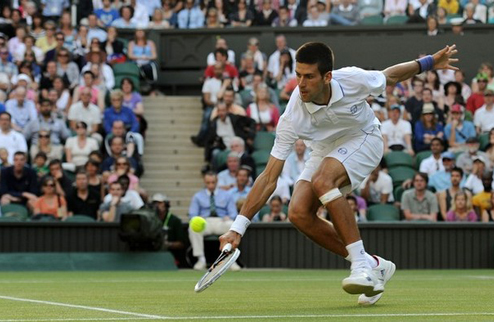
[[484, 141], [15, 210], [261, 157], [419, 157], [397, 193], [264, 211], [10, 219], [468, 116], [401, 174], [220, 159], [79, 218], [372, 20], [397, 20], [126, 69], [383, 213], [398, 159], [264, 141], [260, 169]]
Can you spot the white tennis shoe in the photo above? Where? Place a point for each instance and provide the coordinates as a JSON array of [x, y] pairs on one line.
[[362, 280], [383, 272], [200, 266]]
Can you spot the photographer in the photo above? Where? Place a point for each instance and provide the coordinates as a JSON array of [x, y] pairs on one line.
[[174, 235]]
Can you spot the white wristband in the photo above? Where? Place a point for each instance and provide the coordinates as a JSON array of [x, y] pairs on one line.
[[240, 225]]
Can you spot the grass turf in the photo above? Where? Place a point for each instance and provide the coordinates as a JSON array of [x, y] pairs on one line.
[[253, 295]]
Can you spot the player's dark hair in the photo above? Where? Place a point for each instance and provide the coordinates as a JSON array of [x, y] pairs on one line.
[[316, 53]]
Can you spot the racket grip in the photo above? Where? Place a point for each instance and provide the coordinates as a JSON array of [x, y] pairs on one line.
[[227, 248]]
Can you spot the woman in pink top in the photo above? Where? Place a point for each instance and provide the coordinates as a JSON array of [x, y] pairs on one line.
[[462, 209], [122, 166]]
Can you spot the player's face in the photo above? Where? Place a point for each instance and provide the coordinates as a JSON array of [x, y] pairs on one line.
[[313, 86]]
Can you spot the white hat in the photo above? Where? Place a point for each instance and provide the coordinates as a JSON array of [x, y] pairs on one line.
[[159, 197], [479, 158], [23, 77]]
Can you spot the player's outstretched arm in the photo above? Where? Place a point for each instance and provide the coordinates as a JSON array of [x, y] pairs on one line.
[[262, 189], [440, 60]]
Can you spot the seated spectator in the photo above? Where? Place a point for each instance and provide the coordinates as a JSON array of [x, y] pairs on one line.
[[488, 214], [122, 167], [482, 200], [27, 47], [117, 148], [94, 30], [243, 17], [130, 139], [169, 13], [377, 188], [287, 91], [346, 14], [445, 197], [114, 48], [285, 71], [241, 188], [213, 19], [295, 163], [158, 22], [260, 59], [125, 21], [22, 110], [133, 100], [95, 181], [489, 149], [143, 52], [266, 15], [452, 93], [51, 54], [191, 17], [66, 68], [40, 165], [420, 14], [397, 133], [48, 41], [248, 72], [118, 112], [15, 42], [276, 213], [476, 100], [433, 163], [451, 6], [284, 19], [314, 18], [130, 196], [465, 160], [471, 16], [458, 130], [112, 209], [87, 112], [50, 203], [427, 128], [10, 140], [174, 238], [52, 151], [474, 180], [48, 78], [219, 210], [462, 209], [370, 8], [395, 8], [37, 29], [228, 177], [263, 112], [83, 201], [62, 181], [4, 158], [46, 121], [484, 116], [419, 203], [105, 71], [237, 144], [352, 201], [221, 43], [60, 96], [68, 30], [19, 183], [229, 100], [229, 71], [248, 96], [77, 148], [107, 14], [466, 91], [441, 180]]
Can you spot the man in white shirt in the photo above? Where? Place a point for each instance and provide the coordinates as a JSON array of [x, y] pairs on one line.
[[274, 59], [328, 110], [295, 163], [131, 197], [87, 112], [434, 163], [484, 116], [10, 140], [221, 43], [397, 133], [377, 188]]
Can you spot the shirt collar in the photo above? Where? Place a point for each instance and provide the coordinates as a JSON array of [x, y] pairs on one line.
[[336, 95]]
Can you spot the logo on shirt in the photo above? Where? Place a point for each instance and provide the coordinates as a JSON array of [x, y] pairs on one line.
[[342, 151], [353, 109]]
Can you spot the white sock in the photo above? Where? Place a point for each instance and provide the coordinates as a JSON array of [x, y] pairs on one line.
[[201, 258], [371, 260], [357, 254]]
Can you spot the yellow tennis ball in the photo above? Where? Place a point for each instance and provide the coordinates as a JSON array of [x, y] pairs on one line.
[[197, 224]]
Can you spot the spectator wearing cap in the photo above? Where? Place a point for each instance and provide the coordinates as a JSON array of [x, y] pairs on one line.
[[397, 133], [434, 163], [465, 160], [484, 116], [427, 128], [441, 180], [474, 181], [476, 100], [458, 130], [174, 236], [46, 121]]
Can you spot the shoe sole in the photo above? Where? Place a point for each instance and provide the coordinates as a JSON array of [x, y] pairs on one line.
[[368, 290], [369, 303]]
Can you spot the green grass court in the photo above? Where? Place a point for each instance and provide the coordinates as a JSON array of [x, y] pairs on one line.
[[249, 295]]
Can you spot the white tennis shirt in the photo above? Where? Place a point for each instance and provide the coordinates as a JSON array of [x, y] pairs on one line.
[[347, 113]]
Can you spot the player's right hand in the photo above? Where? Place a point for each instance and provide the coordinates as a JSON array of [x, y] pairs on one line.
[[231, 237]]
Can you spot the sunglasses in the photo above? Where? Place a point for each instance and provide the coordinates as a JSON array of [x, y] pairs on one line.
[[60, 39], [482, 81], [50, 185], [4, 53], [122, 163], [44, 136]]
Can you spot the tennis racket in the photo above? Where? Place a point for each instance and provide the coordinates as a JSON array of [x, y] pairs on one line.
[[219, 267]]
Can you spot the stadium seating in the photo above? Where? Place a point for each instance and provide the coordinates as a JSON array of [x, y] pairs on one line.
[[264, 141], [383, 213], [400, 174], [220, 159], [397, 193], [261, 157], [398, 159], [15, 210], [419, 157], [397, 20], [372, 20], [484, 141], [129, 70], [10, 219], [79, 218]]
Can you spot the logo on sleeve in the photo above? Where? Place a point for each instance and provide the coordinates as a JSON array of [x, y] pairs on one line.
[[354, 109], [342, 151]]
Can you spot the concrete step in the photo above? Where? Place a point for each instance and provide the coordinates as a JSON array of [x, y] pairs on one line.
[[174, 174], [152, 165], [176, 150]]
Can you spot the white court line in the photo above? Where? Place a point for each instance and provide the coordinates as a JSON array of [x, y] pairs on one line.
[[75, 319], [149, 316]]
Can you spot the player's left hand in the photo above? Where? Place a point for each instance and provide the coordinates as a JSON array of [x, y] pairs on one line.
[[443, 60]]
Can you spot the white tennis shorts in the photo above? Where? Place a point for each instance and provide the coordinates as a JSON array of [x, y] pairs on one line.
[[360, 154]]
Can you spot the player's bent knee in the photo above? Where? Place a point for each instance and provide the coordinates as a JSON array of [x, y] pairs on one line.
[[331, 195]]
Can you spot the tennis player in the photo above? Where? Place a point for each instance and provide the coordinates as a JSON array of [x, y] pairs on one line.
[[328, 110]]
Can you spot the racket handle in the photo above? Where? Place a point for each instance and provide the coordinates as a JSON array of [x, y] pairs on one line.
[[227, 248]]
